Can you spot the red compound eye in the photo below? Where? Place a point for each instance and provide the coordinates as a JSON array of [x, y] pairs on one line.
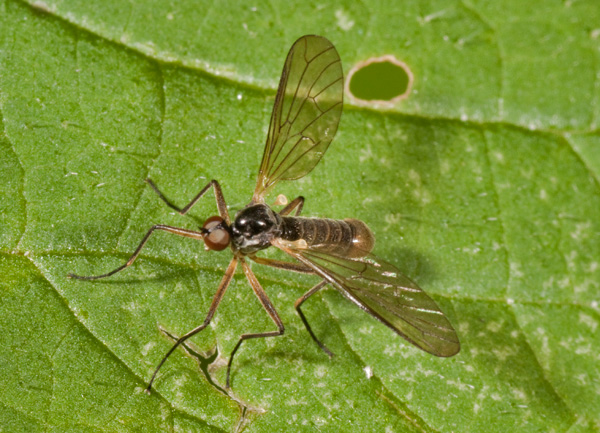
[[216, 235]]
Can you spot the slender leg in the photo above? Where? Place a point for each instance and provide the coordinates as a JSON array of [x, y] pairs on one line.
[[301, 268], [294, 267], [297, 204], [267, 305], [221, 205], [174, 230], [297, 305], [211, 312]]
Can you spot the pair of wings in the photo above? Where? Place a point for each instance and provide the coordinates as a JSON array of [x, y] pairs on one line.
[[306, 114]]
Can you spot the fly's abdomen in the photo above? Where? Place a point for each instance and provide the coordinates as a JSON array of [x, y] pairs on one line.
[[349, 237]]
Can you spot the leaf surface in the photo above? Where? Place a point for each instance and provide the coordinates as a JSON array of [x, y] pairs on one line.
[[482, 186]]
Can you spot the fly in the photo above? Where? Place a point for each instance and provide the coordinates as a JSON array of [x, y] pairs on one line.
[[305, 117]]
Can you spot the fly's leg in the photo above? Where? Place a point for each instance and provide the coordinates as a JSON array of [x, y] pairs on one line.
[[221, 205], [297, 204], [174, 230], [211, 312], [269, 308], [301, 268], [279, 264], [297, 305]]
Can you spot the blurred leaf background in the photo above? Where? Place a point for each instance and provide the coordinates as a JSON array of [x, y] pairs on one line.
[[483, 186]]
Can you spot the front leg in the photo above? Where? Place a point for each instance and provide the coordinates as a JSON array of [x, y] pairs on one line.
[[175, 230], [221, 205]]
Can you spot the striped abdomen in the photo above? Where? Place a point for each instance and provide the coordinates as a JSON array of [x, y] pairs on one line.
[[349, 237]]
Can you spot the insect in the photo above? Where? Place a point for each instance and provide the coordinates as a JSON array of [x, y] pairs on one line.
[[305, 117]]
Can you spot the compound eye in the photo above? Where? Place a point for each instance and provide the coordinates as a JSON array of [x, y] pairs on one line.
[[216, 236]]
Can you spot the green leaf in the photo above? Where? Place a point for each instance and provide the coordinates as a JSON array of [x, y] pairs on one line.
[[482, 185]]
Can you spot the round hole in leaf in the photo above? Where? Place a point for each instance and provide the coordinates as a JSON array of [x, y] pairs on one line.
[[381, 80]]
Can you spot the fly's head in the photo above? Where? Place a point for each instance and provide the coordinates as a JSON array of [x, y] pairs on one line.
[[216, 233], [254, 228]]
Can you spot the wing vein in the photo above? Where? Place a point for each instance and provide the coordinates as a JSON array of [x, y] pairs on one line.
[[302, 127]]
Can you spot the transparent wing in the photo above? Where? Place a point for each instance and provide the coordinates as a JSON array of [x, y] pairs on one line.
[[381, 290], [307, 110]]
